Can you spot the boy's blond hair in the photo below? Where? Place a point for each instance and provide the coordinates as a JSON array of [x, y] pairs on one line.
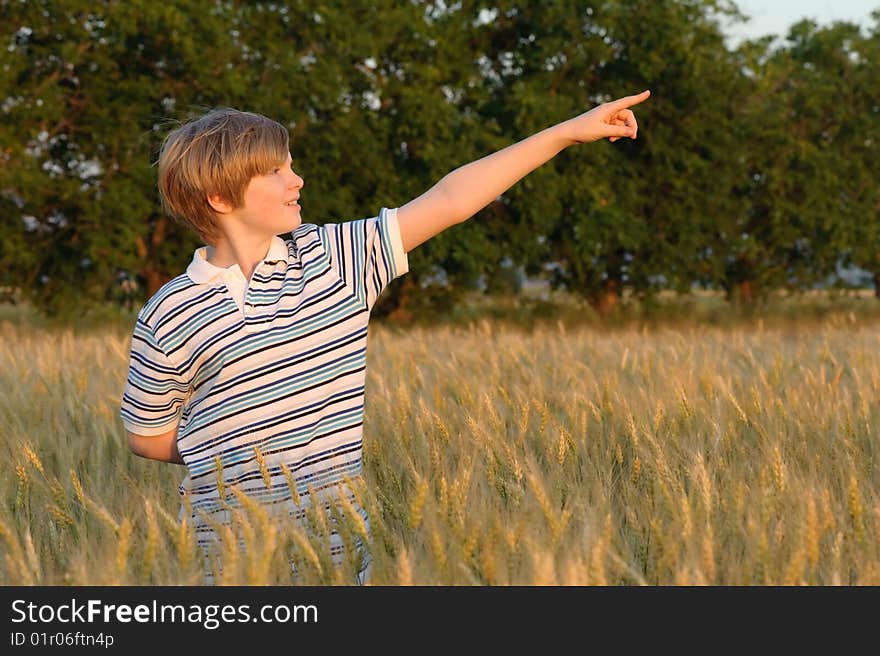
[[217, 153]]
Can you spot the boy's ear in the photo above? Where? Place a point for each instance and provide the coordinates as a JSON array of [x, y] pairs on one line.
[[219, 204]]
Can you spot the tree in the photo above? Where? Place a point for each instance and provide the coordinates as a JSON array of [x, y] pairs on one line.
[[753, 169], [93, 85], [92, 89], [804, 172], [627, 213], [859, 196]]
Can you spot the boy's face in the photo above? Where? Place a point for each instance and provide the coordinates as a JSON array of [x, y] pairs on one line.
[[265, 209]]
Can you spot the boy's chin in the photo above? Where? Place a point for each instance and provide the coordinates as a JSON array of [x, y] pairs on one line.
[[290, 226]]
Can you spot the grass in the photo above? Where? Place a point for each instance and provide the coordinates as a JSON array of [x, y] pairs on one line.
[[667, 451]]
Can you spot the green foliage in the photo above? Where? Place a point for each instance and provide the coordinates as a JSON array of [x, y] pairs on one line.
[[753, 169], [804, 184]]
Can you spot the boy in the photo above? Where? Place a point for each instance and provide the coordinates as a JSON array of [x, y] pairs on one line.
[[249, 368]]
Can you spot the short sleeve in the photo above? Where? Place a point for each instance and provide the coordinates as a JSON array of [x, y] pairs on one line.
[[155, 390], [367, 253]]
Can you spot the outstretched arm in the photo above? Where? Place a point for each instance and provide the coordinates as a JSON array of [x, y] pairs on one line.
[[468, 189]]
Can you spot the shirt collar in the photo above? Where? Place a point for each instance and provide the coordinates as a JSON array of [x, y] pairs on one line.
[[202, 271]]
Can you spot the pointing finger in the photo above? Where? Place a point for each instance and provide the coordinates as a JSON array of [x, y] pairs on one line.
[[629, 101]]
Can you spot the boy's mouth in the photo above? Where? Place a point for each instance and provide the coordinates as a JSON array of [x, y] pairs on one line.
[[292, 203]]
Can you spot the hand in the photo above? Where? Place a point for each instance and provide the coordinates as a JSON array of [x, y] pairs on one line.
[[612, 120]]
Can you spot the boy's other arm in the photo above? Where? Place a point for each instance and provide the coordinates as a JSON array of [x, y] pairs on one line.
[[468, 189], [156, 447]]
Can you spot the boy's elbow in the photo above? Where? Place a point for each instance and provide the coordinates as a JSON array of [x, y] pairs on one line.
[[135, 445], [144, 446], [161, 447]]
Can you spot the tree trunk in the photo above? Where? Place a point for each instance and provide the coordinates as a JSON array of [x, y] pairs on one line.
[[606, 300], [153, 280], [153, 277], [877, 285], [400, 313], [745, 294]]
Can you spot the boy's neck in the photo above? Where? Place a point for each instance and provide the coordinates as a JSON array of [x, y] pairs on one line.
[[247, 253]]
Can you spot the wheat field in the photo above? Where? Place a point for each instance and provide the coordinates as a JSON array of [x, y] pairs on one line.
[[694, 454]]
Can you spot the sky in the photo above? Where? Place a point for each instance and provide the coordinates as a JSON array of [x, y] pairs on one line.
[[775, 17]]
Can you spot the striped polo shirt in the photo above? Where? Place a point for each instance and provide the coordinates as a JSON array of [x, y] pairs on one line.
[[269, 370]]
